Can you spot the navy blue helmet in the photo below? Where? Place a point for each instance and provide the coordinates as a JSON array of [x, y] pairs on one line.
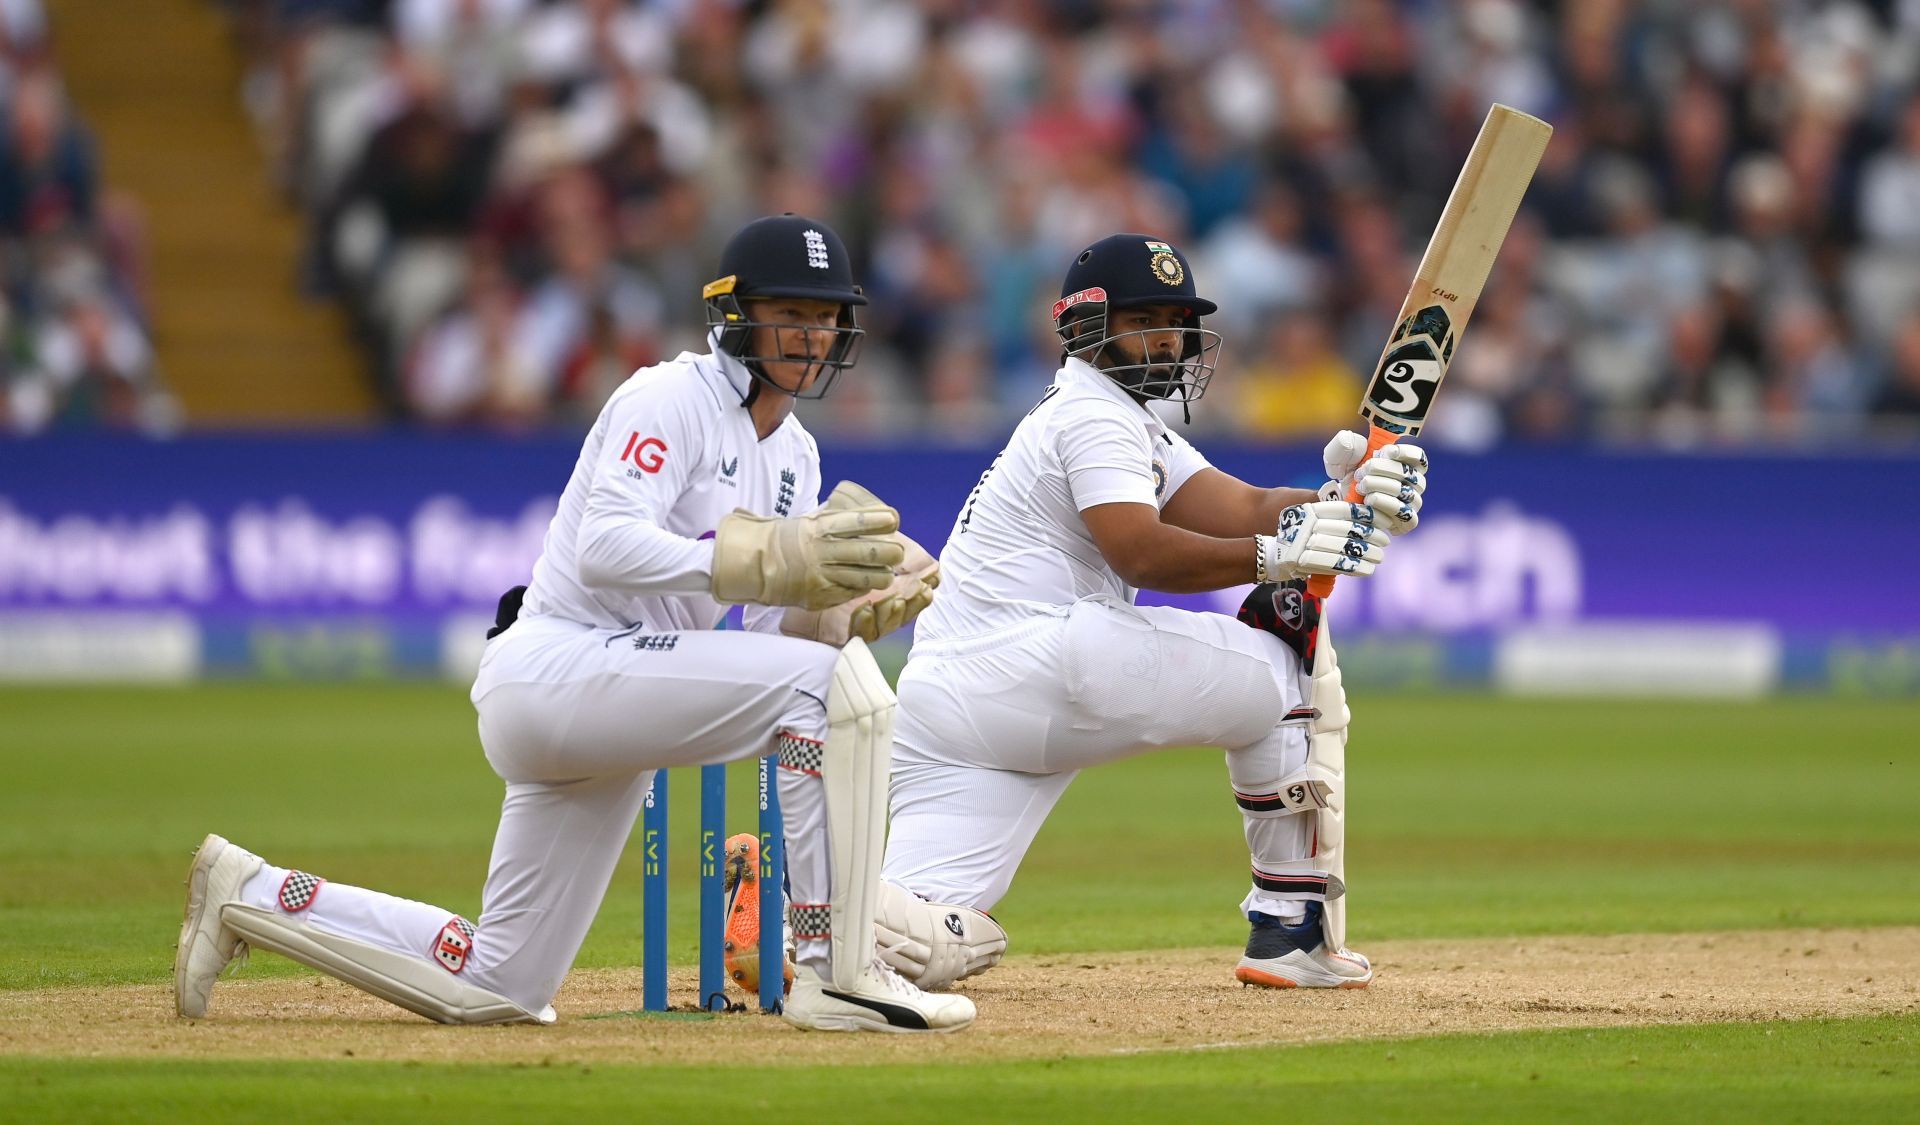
[[1130, 271], [784, 256]]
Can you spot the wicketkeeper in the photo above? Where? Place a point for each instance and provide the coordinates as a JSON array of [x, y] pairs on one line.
[[695, 490]]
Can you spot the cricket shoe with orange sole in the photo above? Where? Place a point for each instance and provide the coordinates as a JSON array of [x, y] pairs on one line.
[[1296, 956], [741, 951]]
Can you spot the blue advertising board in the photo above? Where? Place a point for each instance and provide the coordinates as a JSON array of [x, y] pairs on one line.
[[380, 538]]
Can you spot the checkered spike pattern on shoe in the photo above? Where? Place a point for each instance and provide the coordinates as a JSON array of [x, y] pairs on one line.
[[881, 1000], [741, 950], [207, 946], [1283, 956]]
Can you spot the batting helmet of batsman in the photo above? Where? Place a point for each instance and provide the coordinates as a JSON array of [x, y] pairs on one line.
[[1132, 271]]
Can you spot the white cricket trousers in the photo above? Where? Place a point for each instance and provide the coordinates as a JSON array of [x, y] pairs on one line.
[[992, 729], [576, 719]]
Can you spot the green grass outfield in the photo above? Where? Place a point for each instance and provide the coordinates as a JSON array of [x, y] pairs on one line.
[[1817, 1070], [1472, 816]]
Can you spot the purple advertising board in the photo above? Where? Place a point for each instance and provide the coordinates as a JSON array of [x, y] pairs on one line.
[[392, 535]]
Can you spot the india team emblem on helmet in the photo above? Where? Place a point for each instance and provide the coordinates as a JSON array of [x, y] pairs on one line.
[[1166, 264]]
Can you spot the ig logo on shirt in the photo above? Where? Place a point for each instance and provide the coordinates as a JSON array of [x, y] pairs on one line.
[[646, 454]]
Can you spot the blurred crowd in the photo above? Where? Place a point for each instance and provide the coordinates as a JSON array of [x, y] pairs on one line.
[[518, 200], [74, 343]]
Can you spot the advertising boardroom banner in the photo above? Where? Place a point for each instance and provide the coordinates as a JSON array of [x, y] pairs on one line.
[[242, 535]]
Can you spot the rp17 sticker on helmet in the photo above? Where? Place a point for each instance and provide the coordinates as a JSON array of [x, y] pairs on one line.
[[1083, 297], [646, 454]]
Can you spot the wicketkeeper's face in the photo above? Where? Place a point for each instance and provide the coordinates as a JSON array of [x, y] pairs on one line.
[[799, 330]]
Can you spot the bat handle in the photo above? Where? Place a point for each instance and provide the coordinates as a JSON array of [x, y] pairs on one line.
[[1320, 585]]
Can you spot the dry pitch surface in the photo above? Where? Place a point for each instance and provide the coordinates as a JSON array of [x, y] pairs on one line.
[[1048, 1007]]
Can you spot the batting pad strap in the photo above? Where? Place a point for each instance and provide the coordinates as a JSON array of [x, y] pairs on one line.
[[812, 921], [802, 755], [1305, 790], [1304, 796], [1298, 879]]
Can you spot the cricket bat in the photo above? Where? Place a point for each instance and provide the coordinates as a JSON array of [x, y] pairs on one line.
[[1452, 273]]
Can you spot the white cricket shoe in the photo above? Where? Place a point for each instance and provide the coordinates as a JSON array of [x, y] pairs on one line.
[[207, 946], [881, 1000], [1281, 956]]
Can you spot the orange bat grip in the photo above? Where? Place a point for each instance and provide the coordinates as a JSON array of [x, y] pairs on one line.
[[1320, 585]]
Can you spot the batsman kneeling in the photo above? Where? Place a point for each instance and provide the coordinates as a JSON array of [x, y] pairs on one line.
[[695, 490], [1034, 662]]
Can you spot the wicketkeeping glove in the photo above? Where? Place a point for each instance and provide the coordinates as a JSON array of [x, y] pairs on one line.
[[874, 615], [814, 561]]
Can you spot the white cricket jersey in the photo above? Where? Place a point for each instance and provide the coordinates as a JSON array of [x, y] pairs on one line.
[[672, 452], [1019, 546]]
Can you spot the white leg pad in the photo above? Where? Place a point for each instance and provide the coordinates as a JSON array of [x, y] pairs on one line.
[[1327, 759], [414, 983], [934, 944], [854, 771]]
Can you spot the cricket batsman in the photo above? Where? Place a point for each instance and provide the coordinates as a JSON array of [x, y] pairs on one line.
[[1035, 663], [695, 490]]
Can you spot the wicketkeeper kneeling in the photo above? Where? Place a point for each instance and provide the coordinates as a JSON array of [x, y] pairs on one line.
[[694, 491]]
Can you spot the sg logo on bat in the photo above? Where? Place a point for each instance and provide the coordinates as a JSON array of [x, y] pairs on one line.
[[1416, 359]]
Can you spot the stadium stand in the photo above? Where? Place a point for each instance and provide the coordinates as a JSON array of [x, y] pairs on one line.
[[156, 81], [513, 201]]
